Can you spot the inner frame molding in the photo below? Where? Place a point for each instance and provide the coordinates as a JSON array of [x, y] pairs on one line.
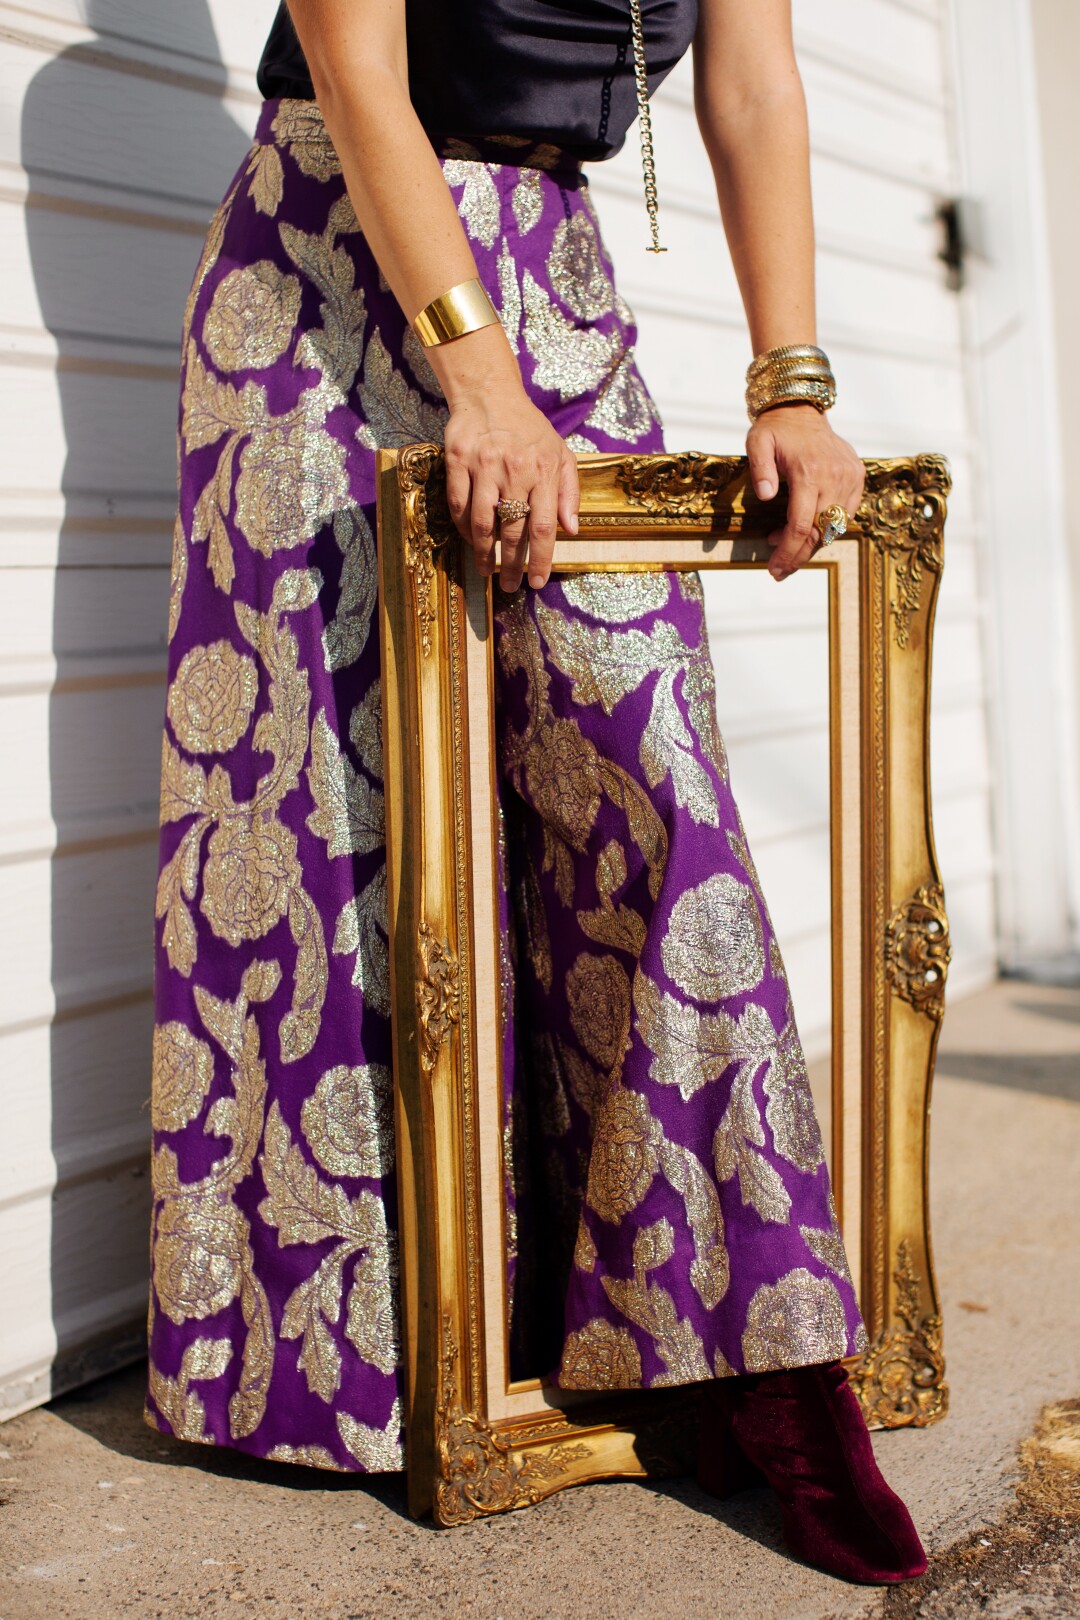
[[475, 1442]]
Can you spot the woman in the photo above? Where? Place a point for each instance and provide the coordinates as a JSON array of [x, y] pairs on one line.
[[409, 251]]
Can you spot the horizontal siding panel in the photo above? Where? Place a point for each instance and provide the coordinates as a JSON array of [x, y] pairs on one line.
[[98, 434], [82, 614], [83, 755], [79, 933], [94, 277]]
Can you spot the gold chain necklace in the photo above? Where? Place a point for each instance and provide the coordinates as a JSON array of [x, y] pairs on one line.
[[648, 165]]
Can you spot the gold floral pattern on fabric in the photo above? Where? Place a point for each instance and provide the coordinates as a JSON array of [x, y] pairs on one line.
[[376, 1450], [617, 597], [292, 475], [307, 1210], [527, 200], [558, 860], [570, 360], [588, 1084], [346, 635], [252, 317], [692, 1048], [395, 414], [600, 1356], [298, 126], [212, 698], [478, 205], [532, 915], [624, 1158], [509, 296], [179, 1405], [362, 929], [250, 874], [714, 945], [611, 924], [349, 1120], [598, 997], [308, 1456], [349, 811], [776, 960], [827, 1246], [790, 1113], [365, 730], [584, 1249], [795, 1322], [710, 1270], [623, 408], [251, 877], [182, 1067], [177, 575], [267, 179], [577, 270], [652, 1309], [739, 1136], [561, 776], [201, 1251], [606, 665]]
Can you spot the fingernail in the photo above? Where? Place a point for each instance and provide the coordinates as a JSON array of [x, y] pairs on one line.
[[765, 490], [536, 580], [571, 525]]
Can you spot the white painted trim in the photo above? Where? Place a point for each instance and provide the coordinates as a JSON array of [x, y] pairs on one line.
[[1020, 498]]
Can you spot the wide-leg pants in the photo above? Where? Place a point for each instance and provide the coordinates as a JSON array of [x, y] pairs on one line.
[[670, 1212]]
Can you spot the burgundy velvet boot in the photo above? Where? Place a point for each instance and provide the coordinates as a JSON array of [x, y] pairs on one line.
[[803, 1432]]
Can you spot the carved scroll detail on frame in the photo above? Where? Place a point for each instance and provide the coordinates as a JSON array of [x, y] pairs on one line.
[[903, 512], [427, 527], [683, 486], [918, 950], [479, 1471], [900, 1381], [436, 993]]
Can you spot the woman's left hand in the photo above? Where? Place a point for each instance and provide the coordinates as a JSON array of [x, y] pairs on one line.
[[796, 444]]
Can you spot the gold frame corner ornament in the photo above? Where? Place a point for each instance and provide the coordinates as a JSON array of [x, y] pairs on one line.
[[476, 1442]]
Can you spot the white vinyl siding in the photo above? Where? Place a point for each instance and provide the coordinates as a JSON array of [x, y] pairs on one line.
[[875, 73], [119, 129]]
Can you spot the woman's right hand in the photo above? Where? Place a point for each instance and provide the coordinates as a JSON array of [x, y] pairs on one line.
[[499, 446]]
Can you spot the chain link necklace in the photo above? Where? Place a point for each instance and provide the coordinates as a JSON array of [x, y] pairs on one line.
[[648, 163]]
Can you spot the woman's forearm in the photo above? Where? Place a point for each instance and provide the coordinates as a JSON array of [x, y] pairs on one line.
[[752, 115], [393, 175]]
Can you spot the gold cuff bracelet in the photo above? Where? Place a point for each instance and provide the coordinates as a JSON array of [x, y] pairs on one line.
[[465, 308]]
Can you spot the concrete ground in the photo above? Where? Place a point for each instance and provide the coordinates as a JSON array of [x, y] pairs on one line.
[[102, 1517]]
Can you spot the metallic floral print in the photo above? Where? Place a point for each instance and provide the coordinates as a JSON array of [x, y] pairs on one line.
[[669, 1211]]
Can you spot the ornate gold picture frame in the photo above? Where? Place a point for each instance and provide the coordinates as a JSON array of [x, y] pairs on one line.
[[476, 1441]]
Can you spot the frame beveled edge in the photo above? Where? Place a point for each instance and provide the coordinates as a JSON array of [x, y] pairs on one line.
[[459, 1464]]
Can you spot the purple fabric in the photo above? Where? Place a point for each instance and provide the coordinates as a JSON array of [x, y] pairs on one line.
[[670, 1210]]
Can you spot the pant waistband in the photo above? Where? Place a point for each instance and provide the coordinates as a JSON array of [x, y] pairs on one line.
[[300, 122]]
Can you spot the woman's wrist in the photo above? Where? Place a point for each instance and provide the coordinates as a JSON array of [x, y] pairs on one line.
[[480, 365]]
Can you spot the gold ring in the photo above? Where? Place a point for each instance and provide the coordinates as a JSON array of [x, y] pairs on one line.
[[508, 511], [831, 522]]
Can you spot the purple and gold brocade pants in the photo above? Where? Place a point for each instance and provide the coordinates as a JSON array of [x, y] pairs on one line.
[[670, 1212]]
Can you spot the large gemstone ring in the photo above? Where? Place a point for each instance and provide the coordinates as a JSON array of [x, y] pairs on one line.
[[508, 511], [831, 522]]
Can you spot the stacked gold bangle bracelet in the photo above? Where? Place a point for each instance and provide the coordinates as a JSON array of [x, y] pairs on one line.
[[795, 373]]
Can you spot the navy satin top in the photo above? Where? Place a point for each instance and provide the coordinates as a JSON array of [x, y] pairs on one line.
[[548, 70]]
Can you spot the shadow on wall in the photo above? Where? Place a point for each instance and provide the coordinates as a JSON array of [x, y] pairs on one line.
[[126, 164]]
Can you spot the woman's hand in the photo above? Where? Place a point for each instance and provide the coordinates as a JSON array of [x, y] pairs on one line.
[[796, 443], [500, 447]]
